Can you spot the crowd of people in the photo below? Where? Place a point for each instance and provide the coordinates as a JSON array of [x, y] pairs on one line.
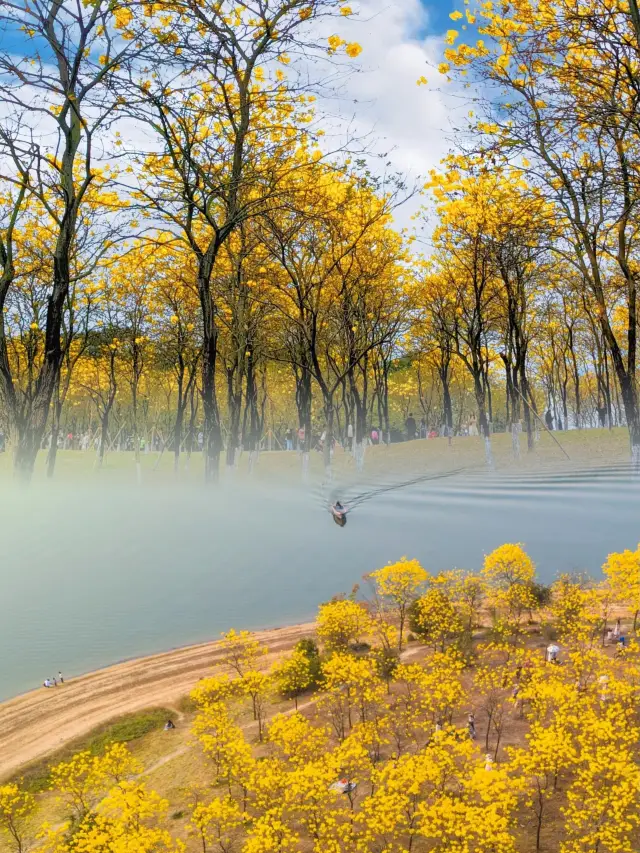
[[285, 438]]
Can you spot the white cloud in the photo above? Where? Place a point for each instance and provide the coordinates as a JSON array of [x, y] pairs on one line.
[[410, 123], [378, 99]]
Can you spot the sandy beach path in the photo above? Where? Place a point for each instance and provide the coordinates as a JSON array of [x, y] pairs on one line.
[[38, 723]]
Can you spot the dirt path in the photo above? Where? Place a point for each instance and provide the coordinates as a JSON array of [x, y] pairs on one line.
[[186, 747], [40, 722]]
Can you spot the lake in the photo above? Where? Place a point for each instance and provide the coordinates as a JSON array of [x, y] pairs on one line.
[[90, 576]]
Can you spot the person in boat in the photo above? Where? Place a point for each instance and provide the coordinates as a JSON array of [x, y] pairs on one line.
[[339, 513]]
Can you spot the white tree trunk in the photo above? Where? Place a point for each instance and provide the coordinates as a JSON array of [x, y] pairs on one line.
[[488, 452], [515, 439]]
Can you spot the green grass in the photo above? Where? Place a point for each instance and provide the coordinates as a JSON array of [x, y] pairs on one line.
[[125, 729]]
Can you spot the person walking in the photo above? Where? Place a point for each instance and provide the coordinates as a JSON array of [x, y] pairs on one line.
[[548, 419], [471, 726], [410, 426], [288, 437]]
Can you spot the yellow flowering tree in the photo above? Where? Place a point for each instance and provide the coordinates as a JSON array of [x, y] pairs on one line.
[[217, 824], [257, 686], [223, 742], [622, 569], [241, 651], [572, 609], [297, 739], [435, 619], [15, 807], [83, 779], [341, 623], [466, 590], [509, 573], [398, 584], [295, 674], [352, 691], [603, 800], [550, 750]]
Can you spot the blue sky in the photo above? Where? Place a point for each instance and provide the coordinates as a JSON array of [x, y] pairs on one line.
[[439, 20], [15, 41], [409, 126]]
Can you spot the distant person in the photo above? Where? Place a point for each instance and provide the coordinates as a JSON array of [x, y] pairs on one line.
[[288, 437], [301, 436], [410, 426], [54, 681], [375, 436], [169, 725], [47, 683], [471, 726], [350, 436], [423, 428], [548, 419], [60, 678]]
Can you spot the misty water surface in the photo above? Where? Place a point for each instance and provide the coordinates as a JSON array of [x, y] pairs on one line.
[[94, 575]]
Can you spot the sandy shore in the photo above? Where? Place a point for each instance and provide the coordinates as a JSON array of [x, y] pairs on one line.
[[40, 722]]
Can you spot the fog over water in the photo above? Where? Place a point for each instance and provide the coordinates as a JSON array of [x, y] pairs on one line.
[[93, 575]]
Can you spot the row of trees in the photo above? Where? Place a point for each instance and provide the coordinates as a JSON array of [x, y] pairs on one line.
[[233, 264], [554, 183], [477, 744]]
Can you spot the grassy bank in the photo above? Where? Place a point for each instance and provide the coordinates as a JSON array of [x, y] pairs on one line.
[[124, 729], [584, 448]]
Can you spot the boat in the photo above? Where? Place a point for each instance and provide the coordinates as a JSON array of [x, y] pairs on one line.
[[339, 516]]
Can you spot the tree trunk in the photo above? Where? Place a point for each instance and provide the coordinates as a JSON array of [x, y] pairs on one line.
[[482, 417], [55, 431], [212, 431], [303, 400], [328, 415], [104, 431], [252, 434], [193, 410], [177, 432]]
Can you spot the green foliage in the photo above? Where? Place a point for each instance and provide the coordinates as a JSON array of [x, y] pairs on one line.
[[309, 649], [125, 729], [541, 593]]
